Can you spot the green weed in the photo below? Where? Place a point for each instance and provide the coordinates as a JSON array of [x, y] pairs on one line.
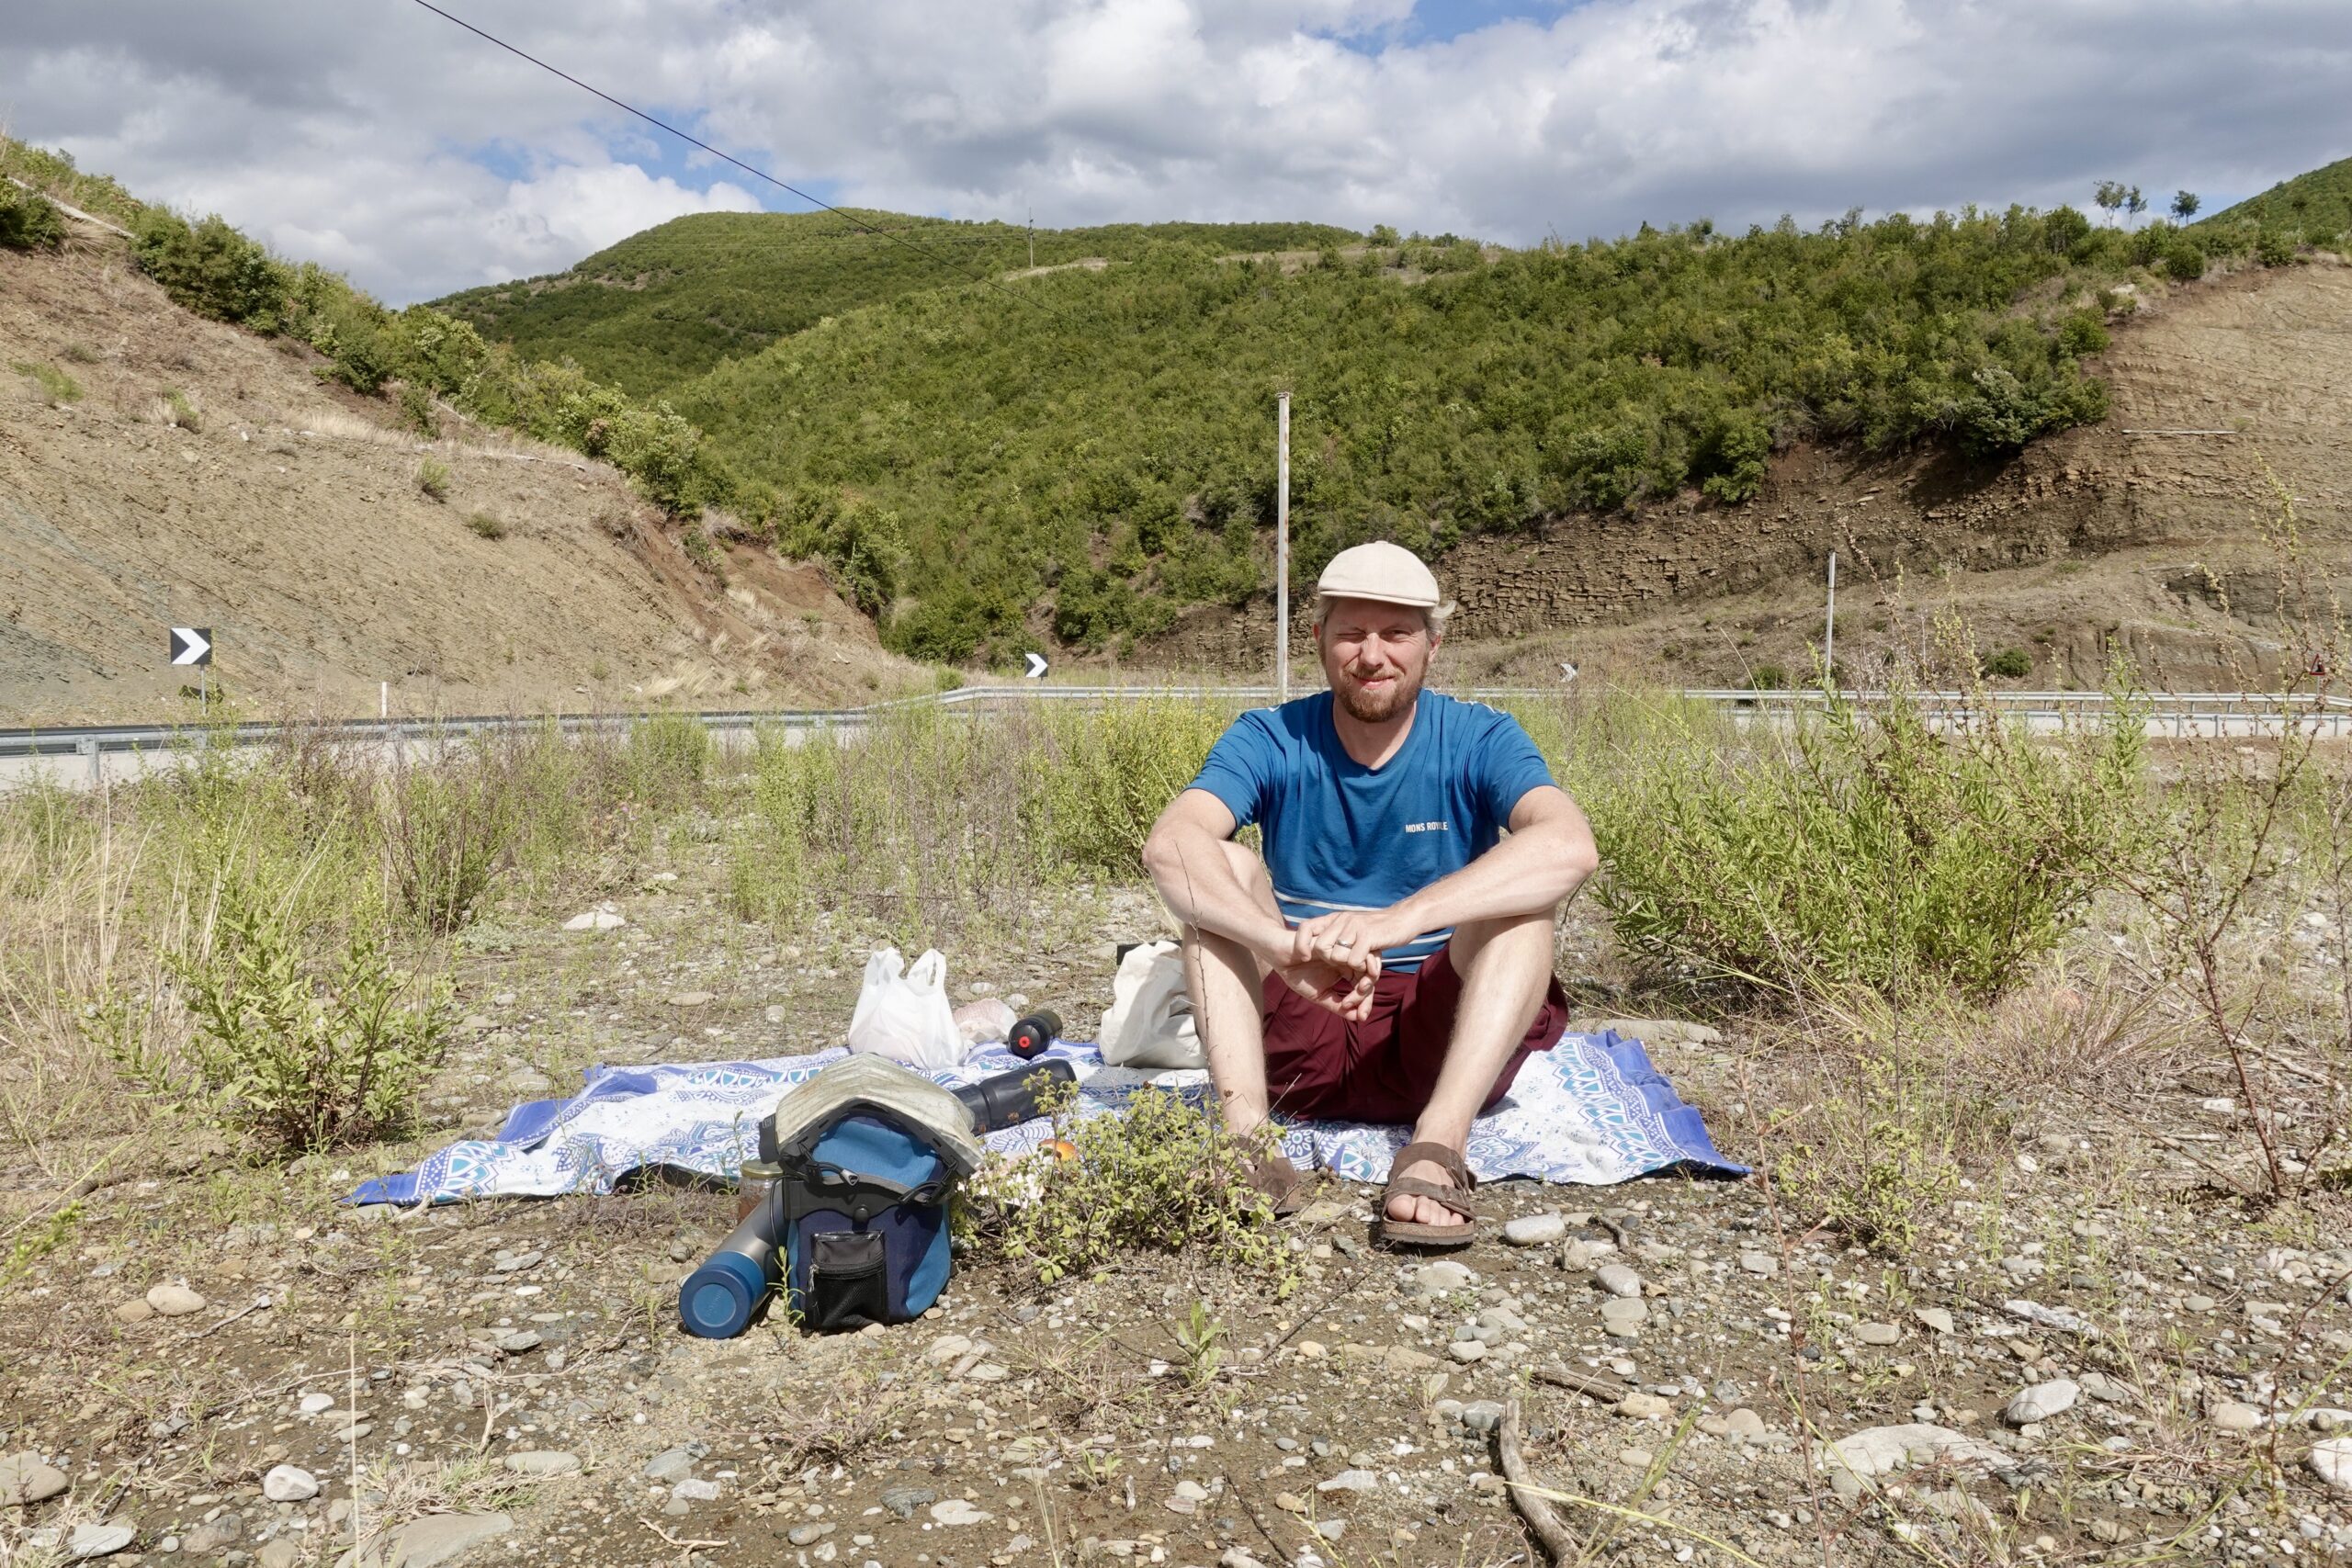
[[1201, 1336], [1158, 1175], [298, 1060], [432, 479], [486, 525], [56, 387]]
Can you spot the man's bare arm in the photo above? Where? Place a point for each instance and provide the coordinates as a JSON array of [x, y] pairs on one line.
[[1185, 856], [1546, 858]]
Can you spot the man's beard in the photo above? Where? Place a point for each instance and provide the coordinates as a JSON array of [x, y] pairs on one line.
[[1375, 708]]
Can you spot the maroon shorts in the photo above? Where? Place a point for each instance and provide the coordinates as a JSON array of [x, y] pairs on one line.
[[1385, 1067]]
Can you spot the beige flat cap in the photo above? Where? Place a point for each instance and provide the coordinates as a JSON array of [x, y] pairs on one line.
[[1383, 572]]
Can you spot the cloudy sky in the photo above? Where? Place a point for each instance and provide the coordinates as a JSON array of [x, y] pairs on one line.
[[375, 137]]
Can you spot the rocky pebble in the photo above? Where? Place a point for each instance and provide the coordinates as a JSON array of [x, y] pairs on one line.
[[2041, 1401], [1763, 1264], [670, 1465], [956, 1511], [1442, 1277], [1617, 1280], [436, 1540], [175, 1300], [2331, 1461], [25, 1478], [289, 1483], [542, 1462], [1878, 1334], [2233, 1416], [1622, 1316], [1535, 1230], [97, 1541]]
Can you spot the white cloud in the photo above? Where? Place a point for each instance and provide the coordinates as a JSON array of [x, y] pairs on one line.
[[546, 224], [361, 135]]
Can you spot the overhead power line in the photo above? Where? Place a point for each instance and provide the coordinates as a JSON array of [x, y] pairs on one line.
[[889, 235]]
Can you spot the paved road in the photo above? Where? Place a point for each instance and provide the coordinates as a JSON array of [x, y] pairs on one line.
[[83, 755]]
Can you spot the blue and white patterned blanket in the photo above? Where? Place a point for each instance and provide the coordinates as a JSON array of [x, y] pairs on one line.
[[1590, 1111]]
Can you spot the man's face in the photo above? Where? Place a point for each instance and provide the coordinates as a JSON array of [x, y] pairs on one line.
[[1376, 656]]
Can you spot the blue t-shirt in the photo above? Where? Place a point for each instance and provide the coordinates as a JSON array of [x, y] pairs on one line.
[[1341, 836]]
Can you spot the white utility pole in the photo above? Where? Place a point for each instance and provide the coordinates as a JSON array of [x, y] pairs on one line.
[[1282, 551], [1829, 639]]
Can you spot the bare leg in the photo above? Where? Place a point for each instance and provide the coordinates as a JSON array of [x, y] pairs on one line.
[[1506, 968], [1226, 984]]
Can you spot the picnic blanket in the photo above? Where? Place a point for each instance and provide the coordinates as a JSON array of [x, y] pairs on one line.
[[1590, 1113]]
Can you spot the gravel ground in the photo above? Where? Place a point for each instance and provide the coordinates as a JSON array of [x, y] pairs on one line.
[[2090, 1353]]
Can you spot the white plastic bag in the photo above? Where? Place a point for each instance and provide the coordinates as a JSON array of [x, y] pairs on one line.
[[1151, 1020], [902, 1012]]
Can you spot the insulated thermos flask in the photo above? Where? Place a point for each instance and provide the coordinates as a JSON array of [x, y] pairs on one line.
[[1034, 1033], [720, 1299]]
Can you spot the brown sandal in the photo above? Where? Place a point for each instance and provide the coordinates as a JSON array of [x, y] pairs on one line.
[[1455, 1197]]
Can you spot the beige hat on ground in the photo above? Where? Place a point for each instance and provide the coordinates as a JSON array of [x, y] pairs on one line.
[[1383, 572]]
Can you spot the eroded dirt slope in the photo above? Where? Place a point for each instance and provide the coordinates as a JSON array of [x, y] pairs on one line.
[[290, 520]]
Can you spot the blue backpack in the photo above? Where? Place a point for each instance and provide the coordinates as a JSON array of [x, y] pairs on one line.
[[863, 1218]]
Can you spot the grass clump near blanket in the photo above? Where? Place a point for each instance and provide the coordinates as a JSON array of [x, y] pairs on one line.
[[1157, 1177]]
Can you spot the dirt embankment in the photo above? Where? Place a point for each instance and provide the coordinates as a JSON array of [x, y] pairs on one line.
[[2146, 529], [289, 517]]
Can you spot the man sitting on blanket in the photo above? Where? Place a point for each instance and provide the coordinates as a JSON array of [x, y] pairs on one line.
[[1390, 960]]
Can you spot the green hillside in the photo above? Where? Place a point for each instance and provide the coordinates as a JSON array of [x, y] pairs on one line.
[[1110, 455], [669, 303], [2314, 207]]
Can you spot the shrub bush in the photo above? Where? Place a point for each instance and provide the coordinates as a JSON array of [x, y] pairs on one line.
[[448, 830], [298, 1058], [486, 525], [667, 758], [419, 413], [2275, 247], [2009, 664], [1105, 776], [211, 269], [2185, 261], [1159, 1176], [432, 479], [28, 221], [1866, 848]]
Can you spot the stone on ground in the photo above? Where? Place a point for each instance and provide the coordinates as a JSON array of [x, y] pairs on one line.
[[2041, 1401], [289, 1483], [175, 1300], [97, 1541], [25, 1479], [543, 1462], [431, 1541], [1535, 1230], [2332, 1461]]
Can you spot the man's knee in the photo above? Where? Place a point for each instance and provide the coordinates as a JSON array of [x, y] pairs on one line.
[[1520, 936]]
